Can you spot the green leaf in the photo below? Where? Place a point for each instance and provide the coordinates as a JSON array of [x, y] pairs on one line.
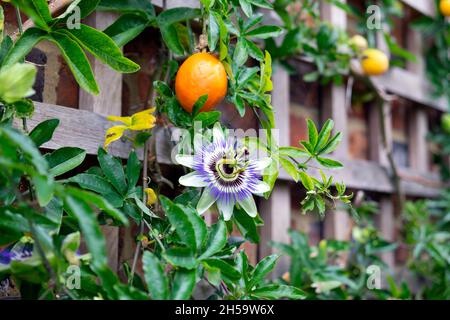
[[290, 168], [27, 146], [156, 280], [126, 292], [132, 211], [44, 188], [126, 28], [293, 152], [37, 10], [329, 163], [311, 77], [65, 159], [183, 284], [324, 135], [145, 8], [213, 30], [246, 225], [23, 108], [197, 222], [275, 292], [307, 182], [240, 105], [312, 133], [5, 47], [179, 219], [246, 7], [77, 61], [27, 41], [225, 268], [141, 139], [113, 170], [208, 118], [199, 104], [16, 82], [262, 269], [332, 144], [264, 32], [262, 3], [103, 48], [216, 241], [93, 182], [90, 228], [320, 204], [99, 202], [253, 50], [87, 7], [133, 170], [240, 54], [180, 257], [69, 10], [166, 21], [43, 132]]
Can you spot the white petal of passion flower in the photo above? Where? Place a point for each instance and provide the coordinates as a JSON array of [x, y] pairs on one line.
[[218, 134], [193, 179], [185, 160], [205, 202], [226, 209], [261, 188], [263, 163], [249, 205]]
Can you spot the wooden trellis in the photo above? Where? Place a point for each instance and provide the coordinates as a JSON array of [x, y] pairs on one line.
[[85, 128]]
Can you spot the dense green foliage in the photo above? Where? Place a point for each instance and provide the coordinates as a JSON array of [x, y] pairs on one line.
[[50, 201]]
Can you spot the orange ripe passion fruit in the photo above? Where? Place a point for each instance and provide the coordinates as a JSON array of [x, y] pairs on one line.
[[201, 74]]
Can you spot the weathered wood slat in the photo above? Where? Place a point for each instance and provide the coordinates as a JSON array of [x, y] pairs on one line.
[[84, 129], [176, 3], [425, 7], [337, 222], [107, 102], [410, 86], [78, 128], [276, 211]]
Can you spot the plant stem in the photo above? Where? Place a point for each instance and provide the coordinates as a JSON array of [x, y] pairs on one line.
[[155, 235], [19, 20], [144, 185], [41, 253], [388, 149]]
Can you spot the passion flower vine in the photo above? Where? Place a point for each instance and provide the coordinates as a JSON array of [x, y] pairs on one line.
[[228, 174]]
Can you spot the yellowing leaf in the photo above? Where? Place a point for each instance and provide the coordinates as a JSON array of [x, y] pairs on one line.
[[125, 120], [143, 120], [113, 134]]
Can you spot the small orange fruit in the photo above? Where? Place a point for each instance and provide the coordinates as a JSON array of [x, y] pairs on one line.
[[444, 6], [374, 62], [202, 73]]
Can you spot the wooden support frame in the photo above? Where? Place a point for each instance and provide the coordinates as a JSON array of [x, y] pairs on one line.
[[108, 102], [276, 211], [425, 7], [379, 152], [337, 222], [85, 128]]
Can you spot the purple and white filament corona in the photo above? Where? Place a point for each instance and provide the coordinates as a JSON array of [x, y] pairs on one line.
[[228, 174]]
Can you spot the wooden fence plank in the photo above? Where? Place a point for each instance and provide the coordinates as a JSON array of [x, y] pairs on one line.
[[379, 152], [334, 106], [410, 86], [425, 7], [84, 129], [276, 211], [108, 102]]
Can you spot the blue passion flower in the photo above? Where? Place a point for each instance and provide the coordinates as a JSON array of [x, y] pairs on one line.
[[227, 173]]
